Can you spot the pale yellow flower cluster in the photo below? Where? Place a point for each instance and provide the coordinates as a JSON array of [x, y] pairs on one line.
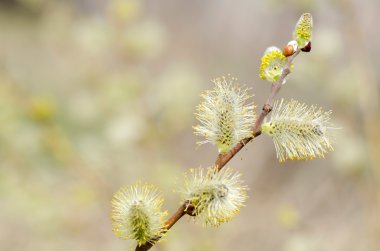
[[225, 116], [216, 196], [136, 213], [299, 131]]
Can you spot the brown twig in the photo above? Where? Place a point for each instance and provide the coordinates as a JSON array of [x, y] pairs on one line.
[[223, 159]]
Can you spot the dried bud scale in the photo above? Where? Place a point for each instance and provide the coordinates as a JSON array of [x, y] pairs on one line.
[[225, 115], [216, 196], [307, 48], [136, 213], [298, 131]]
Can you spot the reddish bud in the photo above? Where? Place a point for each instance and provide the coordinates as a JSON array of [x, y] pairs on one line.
[[288, 51]]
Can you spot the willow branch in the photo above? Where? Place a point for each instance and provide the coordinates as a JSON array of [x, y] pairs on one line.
[[223, 159]]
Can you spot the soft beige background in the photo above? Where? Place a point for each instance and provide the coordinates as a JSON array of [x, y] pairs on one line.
[[98, 94]]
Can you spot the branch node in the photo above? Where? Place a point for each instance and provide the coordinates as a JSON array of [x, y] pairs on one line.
[[267, 108], [189, 208]]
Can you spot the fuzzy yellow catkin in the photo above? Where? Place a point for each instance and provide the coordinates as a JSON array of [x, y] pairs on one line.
[[299, 131], [304, 30], [216, 196], [272, 64], [136, 213], [225, 116]]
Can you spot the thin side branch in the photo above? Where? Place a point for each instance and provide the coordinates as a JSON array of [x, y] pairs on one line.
[[223, 159]]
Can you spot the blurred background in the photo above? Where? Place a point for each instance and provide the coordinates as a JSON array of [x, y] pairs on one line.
[[97, 94]]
